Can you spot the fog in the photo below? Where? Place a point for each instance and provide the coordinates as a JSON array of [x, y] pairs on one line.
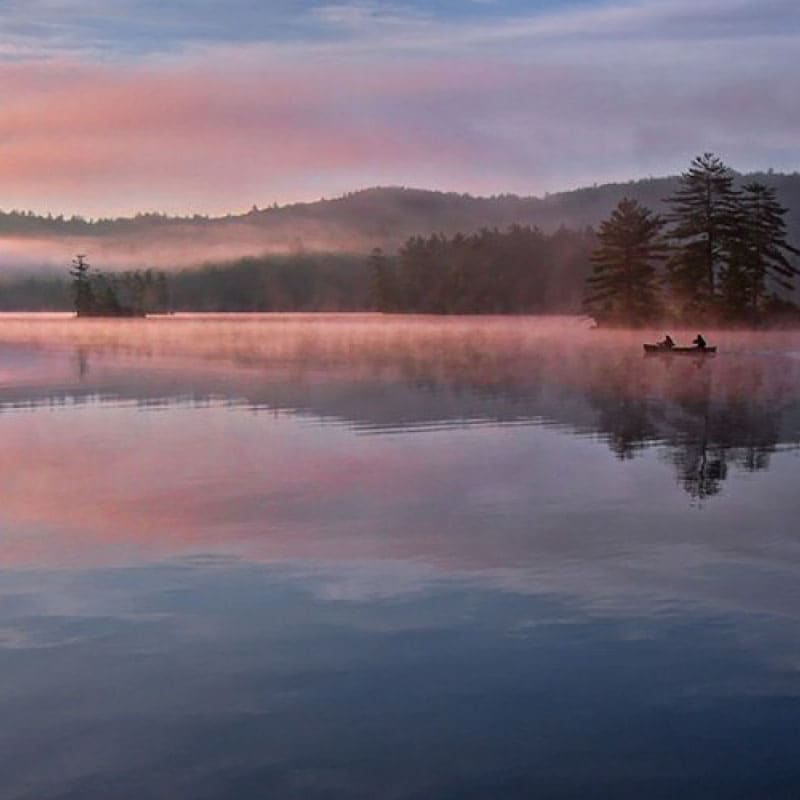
[[173, 247], [481, 348]]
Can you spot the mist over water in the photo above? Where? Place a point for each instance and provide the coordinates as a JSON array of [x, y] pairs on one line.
[[375, 556]]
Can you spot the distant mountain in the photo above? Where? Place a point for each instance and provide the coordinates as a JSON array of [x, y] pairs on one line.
[[355, 223]]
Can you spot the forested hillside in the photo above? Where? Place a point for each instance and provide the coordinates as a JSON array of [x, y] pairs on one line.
[[355, 223], [438, 252]]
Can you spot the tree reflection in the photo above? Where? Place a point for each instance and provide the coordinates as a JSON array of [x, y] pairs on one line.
[[705, 422], [707, 416], [699, 471], [628, 423], [81, 363]]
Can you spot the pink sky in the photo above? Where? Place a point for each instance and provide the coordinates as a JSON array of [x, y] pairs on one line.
[[560, 100]]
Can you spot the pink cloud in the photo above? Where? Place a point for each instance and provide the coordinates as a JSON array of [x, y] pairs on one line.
[[88, 136], [216, 130]]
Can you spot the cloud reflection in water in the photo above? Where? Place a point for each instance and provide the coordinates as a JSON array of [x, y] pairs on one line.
[[302, 556]]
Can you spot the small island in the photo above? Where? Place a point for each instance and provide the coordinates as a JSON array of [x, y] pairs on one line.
[[130, 294]]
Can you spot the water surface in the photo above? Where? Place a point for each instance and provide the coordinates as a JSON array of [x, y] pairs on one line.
[[364, 556]]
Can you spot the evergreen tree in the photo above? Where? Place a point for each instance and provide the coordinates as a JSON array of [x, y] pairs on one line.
[[106, 301], [82, 292], [420, 273], [757, 253], [163, 304], [623, 285], [383, 284], [702, 212], [518, 271], [93, 293]]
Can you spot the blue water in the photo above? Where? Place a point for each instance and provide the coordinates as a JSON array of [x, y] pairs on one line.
[[441, 575]]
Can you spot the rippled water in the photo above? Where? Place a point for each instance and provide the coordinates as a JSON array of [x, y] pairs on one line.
[[373, 557]]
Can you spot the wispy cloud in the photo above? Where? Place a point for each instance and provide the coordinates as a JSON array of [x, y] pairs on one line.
[[123, 105], [125, 27]]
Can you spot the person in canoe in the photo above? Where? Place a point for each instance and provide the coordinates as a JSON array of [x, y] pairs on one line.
[[699, 342], [667, 343]]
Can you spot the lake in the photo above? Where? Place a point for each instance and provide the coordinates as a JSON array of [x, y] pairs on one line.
[[363, 556]]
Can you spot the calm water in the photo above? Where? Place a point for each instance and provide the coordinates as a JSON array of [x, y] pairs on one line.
[[365, 557]]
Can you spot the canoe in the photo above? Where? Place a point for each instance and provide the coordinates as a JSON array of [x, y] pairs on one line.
[[678, 351]]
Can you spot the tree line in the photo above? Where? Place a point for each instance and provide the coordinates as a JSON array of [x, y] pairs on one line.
[[520, 270], [721, 254], [291, 282]]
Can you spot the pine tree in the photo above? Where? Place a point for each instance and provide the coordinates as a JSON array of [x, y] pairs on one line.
[[758, 252], [623, 286], [383, 284], [702, 214], [82, 292], [105, 296], [162, 303]]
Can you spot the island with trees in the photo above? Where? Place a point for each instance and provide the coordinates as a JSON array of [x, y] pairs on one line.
[[127, 294]]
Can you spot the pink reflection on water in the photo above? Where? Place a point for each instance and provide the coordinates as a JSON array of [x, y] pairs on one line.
[[112, 482]]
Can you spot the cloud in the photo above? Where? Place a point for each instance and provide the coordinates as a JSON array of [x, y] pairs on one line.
[[145, 26], [324, 99]]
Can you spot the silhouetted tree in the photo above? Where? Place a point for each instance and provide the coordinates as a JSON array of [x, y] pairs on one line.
[[96, 294], [106, 302], [623, 285], [383, 281], [142, 291], [82, 291], [492, 272], [757, 252], [703, 211], [292, 282], [162, 293]]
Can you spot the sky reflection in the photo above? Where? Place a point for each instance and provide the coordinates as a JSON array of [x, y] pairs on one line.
[[360, 558], [538, 447], [226, 681]]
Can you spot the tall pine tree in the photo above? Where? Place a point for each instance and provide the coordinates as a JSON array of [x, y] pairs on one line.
[[702, 213], [623, 286], [758, 252], [82, 291]]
